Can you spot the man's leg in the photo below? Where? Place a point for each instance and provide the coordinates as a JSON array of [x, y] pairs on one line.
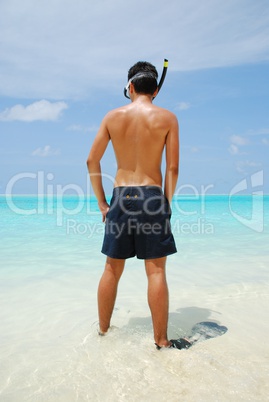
[[107, 291], [158, 299]]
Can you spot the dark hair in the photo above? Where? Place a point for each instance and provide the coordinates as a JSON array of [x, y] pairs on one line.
[[145, 77]]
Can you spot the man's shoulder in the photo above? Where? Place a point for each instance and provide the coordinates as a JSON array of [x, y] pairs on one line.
[[120, 109], [115, 112], [165, 113], [130, 110]]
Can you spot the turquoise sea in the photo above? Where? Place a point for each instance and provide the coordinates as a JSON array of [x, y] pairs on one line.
[[50, 265]]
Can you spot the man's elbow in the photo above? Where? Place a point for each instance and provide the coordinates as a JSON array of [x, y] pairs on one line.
[[90, 163], [173, 170], [93, 165]]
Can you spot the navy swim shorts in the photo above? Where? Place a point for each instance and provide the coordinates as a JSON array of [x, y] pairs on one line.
[[138, 224]]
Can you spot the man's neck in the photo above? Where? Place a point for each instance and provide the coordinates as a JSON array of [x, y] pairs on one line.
[[142, 98]]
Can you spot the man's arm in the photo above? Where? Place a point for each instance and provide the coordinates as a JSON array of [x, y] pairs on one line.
[[172, 159], [94, 167]]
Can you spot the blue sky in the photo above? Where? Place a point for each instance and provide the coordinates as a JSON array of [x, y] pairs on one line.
[[63, 65]]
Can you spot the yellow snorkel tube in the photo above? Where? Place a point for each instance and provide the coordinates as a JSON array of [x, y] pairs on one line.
[[165, 67]]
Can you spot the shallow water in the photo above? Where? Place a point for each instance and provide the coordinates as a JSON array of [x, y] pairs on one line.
[[50, 268]]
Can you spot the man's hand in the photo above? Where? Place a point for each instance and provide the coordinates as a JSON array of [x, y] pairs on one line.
[[104, 208]]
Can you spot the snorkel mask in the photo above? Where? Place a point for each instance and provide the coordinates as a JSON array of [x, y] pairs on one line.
[[146, 74]]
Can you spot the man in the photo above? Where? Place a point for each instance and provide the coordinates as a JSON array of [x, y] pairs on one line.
[[138, 217]]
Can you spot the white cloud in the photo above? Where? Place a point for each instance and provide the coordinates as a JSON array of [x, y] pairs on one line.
[[265, 141], [63, 48], [183, 106], [45, 152], [238, 140], [41, 110], [242, 166], [233, 149], [75, 127], [262, 131]]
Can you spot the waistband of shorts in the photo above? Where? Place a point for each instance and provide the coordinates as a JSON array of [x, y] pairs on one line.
[[137, 190]]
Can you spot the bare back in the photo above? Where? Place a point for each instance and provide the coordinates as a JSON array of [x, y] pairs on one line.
[[138, 133]]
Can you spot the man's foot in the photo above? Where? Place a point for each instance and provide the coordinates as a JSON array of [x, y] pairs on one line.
[[176, 344], [103, 333]]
